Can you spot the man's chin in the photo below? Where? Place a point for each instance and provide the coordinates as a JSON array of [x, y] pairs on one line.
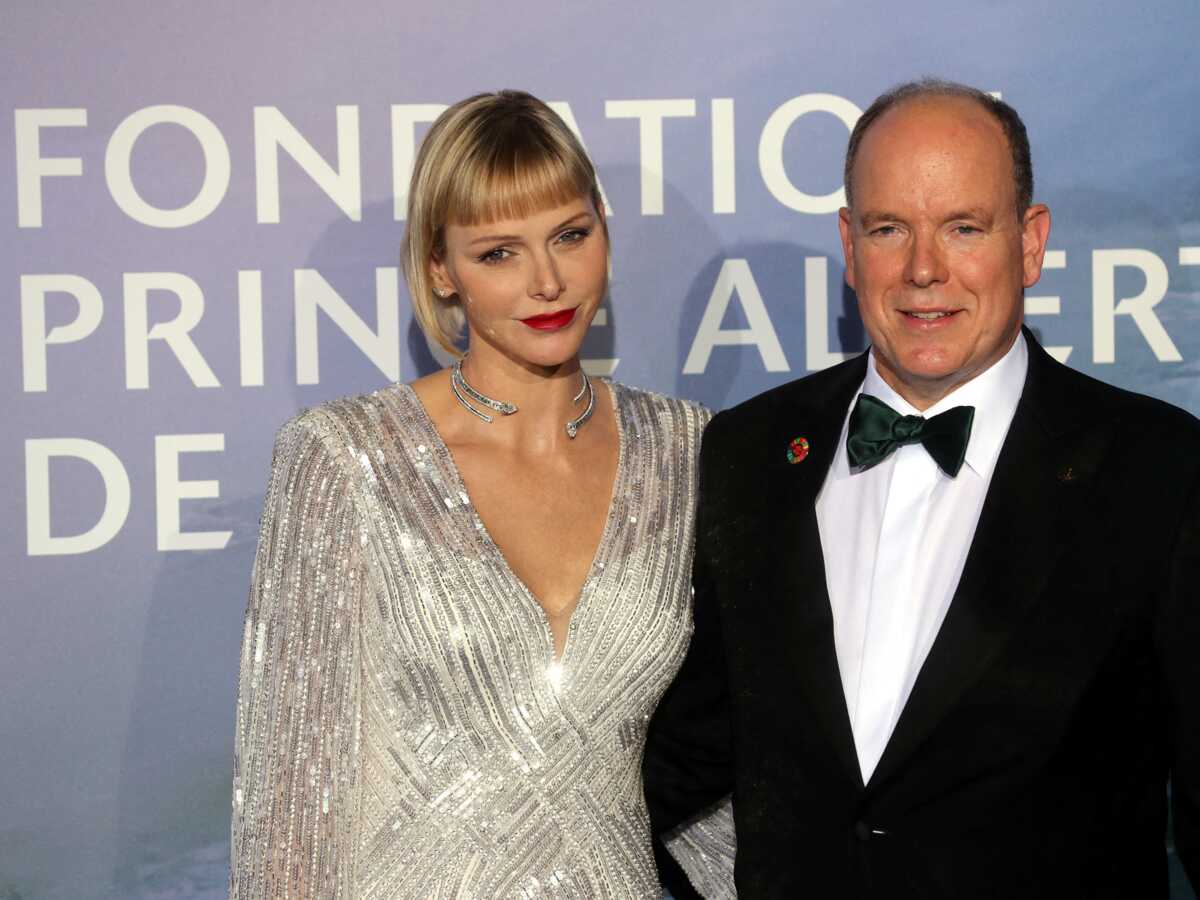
[[920, 367]]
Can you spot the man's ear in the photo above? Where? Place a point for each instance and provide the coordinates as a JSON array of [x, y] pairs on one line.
[[1035, 232], [846, 230]]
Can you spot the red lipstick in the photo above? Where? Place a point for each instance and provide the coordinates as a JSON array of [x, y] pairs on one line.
[[551, 321]]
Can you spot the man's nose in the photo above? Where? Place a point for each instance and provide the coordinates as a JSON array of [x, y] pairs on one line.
[[926, 261]]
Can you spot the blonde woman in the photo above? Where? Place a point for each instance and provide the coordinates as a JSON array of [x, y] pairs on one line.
[[471, 591]]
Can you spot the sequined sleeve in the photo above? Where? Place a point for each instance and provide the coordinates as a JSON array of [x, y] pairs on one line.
[[706, 849], [295, 791]]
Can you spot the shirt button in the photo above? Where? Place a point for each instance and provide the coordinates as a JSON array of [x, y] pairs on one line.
[[865, 832]]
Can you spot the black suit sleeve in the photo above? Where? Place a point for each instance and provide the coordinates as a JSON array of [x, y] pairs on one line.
[[688, 763], [1181, 656]]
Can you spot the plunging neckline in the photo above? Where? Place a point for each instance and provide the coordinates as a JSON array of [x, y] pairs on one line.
[[557, 661]]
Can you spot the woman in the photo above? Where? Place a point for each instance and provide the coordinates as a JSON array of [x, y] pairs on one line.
[[470, 592]]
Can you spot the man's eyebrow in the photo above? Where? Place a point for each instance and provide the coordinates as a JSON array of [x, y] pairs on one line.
[[870, 217], [874, 217], [970, 212]]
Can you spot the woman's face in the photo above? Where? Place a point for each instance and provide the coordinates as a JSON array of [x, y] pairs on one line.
[[529, 287]]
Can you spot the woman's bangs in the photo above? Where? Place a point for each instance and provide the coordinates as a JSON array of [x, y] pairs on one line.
[[516, 190]]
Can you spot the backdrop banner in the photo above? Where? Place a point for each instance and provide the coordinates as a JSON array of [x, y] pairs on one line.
[[200, 211]]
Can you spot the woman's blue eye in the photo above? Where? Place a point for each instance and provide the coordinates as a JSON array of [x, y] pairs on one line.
[[494, 256], [574, 235]]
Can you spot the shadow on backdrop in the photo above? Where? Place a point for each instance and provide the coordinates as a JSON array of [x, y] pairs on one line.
[[735, 372], [176, 773]]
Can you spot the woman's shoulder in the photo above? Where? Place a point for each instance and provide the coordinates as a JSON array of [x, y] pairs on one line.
[[663, 410], [354, 423]]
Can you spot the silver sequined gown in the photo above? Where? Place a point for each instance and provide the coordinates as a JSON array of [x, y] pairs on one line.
[[403, 729]]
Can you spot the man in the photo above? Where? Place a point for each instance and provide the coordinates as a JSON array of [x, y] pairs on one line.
[[947, 611]]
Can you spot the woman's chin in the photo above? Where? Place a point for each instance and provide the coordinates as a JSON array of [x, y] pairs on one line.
[[549, 359], [544, 351]]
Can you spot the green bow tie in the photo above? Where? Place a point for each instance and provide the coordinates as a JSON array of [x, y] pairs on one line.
[[876, 430]]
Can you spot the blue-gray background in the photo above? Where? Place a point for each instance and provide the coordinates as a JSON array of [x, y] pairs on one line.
[[117, 666]]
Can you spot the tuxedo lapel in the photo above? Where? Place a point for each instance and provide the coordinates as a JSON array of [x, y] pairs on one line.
[[796, 555], [1040, 484]]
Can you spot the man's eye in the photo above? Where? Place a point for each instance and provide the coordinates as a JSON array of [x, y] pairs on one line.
[[884, 230], [966, 229]]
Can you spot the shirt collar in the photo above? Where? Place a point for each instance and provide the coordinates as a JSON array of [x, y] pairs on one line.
[[994, 393]]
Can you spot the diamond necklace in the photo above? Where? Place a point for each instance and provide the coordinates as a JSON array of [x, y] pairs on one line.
[[464, 394]]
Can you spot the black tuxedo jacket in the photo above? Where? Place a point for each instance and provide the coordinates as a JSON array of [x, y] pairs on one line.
[[1063, 689]]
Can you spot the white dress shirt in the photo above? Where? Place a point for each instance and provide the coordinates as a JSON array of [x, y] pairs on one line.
[[895, 538]]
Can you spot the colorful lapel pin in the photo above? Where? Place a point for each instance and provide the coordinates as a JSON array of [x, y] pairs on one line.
[[797, 450]]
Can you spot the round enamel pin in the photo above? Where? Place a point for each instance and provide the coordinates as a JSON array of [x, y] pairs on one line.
[[797, 450]]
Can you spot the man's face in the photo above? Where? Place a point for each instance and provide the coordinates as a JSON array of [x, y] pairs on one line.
[[934, 248]]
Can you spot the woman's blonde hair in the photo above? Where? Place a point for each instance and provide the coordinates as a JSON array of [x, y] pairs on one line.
[[492, 156]]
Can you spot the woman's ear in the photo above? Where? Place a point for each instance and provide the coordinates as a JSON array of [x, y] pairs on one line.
[[439, 278]]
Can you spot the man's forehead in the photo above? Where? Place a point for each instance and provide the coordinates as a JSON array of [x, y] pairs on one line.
[[947, 117], [927, 142]]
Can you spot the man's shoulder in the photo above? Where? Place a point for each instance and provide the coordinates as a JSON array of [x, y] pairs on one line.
[[1137, 416]]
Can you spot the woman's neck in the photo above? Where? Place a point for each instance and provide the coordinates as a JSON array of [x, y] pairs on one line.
[[545, 396]]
